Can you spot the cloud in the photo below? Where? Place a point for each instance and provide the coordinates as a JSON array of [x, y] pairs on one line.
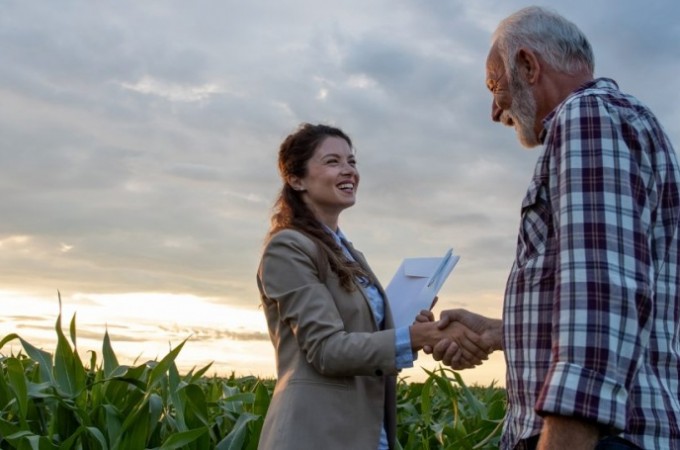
[[201, 334], [172, 91], [138, 141]]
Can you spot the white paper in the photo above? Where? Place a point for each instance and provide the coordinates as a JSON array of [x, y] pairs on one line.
[[416, 284]]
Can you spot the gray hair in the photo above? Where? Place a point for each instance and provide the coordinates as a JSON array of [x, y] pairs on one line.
[[559, 42]]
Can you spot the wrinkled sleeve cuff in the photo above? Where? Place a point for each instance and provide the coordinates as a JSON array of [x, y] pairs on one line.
[[405, 356], [573, 391]]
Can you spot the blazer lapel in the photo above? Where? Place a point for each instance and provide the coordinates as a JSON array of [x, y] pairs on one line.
[[359, 258]]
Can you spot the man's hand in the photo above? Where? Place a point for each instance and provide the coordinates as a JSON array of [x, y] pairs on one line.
[[448, 350], [461, 347], [467, 347]]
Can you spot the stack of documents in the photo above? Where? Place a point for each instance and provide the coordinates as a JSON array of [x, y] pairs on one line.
[[416, 284]]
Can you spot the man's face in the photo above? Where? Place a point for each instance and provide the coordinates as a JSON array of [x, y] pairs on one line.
[[513, 102]]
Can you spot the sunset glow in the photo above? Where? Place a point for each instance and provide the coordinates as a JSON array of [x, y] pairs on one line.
[[138, 156]]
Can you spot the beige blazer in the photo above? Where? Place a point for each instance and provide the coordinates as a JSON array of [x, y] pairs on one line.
[[336, 371]]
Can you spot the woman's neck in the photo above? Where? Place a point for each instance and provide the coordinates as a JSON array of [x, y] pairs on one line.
[[331, 221]]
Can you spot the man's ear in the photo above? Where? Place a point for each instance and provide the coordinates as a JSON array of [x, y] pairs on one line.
[[529, 65]]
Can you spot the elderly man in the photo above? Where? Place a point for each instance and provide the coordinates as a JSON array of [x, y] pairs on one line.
[[592, 305]]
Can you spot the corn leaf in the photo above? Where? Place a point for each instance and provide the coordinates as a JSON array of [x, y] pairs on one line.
[[164, 365], [18, 435], [199, 409], [235, 439], [6, 339], [426, 401], [262, 399], [193, 377], [72, 440], [31, 441], [155, 410], [8, 429], [478, 409], [180, 439], [98, 436], [113, 422], [6, 394], [135, 428], [72, 330], [40, 391], [18, 384], [43, 358], [110, 360], [68, 368], [176, 399], [132, 380]]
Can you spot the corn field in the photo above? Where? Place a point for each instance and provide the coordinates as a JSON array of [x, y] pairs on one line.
[[58, 401]]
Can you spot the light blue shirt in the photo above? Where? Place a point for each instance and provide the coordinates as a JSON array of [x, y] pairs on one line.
[[404, 354]]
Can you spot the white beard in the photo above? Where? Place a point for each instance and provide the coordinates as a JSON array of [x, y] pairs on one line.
[[522, 113]]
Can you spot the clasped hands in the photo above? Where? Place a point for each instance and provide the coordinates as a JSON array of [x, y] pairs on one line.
[[460, 339]]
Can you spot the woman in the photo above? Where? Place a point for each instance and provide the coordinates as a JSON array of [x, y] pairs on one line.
[[337, 353]]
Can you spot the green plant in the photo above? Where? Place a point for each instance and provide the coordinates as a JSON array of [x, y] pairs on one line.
[[59, 403], [444, 413], [62, 402]]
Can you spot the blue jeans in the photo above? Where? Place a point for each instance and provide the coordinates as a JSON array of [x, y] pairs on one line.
[[615, 443], [606, 443]]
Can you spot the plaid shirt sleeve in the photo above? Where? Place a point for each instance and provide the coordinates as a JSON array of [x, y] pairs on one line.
[[601, 189]]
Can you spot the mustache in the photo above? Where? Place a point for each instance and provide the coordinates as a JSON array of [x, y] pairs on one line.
[[507, 119]]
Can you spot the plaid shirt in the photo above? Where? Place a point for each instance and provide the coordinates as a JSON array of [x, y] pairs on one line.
[[592, 305]]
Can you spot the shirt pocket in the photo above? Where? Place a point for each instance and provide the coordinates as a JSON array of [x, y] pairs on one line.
[[535, 225]]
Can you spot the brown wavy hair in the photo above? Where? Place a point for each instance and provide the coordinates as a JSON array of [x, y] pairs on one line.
[[291, 211]]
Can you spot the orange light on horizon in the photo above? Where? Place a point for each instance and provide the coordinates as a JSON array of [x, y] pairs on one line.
[[146, 326]]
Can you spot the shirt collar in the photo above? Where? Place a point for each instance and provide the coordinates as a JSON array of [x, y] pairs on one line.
[[339, 236], [600, 83]]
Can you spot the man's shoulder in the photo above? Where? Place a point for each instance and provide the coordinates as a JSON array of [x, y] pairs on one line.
[[600, 88], [599, 97]]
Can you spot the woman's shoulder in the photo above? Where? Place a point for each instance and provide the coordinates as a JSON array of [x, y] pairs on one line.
[[291, 237]]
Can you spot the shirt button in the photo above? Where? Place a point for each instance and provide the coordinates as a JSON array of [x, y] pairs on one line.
[[379, 372]]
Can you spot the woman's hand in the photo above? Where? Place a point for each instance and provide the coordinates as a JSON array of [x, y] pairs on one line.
[[426, 316]]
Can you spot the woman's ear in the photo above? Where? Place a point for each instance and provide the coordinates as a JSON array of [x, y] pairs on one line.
[[295, 183]]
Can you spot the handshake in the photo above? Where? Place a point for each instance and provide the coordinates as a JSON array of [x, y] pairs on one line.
[[459, 339]]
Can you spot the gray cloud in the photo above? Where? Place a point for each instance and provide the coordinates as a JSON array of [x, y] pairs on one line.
[[138, 140], [210, 334]]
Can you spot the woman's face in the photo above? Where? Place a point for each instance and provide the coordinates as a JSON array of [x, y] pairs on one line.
[[331, 182]]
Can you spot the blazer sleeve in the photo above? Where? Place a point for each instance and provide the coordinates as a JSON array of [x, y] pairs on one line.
[[290, 279]]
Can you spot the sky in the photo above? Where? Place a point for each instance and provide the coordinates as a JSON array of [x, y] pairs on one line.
[[138, 145]]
